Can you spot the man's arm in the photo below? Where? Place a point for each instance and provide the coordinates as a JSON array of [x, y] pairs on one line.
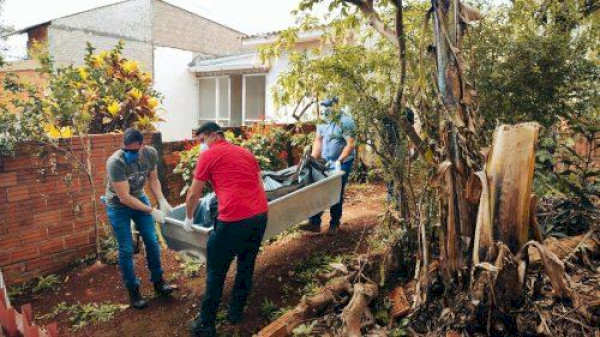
[[347, 151], [122, 190], [317, 146], [192, 198], [154, 185]]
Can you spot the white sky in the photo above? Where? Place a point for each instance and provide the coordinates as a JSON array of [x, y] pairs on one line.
[[249, 16]]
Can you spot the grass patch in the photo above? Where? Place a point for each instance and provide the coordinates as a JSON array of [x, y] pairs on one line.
[[81, 315]]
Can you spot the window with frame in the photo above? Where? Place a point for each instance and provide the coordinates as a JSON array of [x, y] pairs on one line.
[[215, 100]]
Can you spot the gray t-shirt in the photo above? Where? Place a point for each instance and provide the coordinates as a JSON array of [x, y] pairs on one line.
[[136, 173]]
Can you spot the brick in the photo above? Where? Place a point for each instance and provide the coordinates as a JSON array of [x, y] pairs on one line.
[[10, 243], [17, 164], [64, 258], [51, 246], [5, 258], [59, 230], [31, 237], [13, 272], [48, 216], [3, 196], [39, 263], [77, 240], [18, 193], [25, 254], [8, 179]]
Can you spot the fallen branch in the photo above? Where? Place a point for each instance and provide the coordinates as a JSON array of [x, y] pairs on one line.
[[356, 309]]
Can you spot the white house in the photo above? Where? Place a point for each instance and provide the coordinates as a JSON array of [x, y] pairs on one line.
[[231, 90]]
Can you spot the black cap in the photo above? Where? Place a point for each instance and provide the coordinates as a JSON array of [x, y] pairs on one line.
[[209, 127], [132, 135]]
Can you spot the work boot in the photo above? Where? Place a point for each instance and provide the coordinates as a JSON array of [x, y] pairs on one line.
[[197, 329], [310, 227], [234, 316], [161, 288], [135, 298]]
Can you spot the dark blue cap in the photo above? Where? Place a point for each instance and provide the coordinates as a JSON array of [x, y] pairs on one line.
[[132, 135]]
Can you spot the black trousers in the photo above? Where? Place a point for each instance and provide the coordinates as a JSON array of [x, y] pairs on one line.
[[241, 239]]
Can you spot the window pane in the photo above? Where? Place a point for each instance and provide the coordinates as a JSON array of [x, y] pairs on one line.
[[224, 98], [255, 97], [208, 102]]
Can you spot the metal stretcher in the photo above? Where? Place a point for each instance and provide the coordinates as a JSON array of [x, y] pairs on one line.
[[284, 212]]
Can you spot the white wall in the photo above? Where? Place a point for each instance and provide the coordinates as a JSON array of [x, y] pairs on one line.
[[283, 114], [180, 90]]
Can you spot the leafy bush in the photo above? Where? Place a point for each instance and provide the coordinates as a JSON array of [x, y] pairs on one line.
[[107, 93], [187, 164], [569, 173], [269, 144]]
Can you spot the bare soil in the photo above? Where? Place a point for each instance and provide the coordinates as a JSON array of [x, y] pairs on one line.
[[169, 317]]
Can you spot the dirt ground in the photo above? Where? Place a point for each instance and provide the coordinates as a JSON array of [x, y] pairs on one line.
[[170, 317]]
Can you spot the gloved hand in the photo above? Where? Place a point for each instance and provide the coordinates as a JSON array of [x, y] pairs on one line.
[[187, 224], [334, 165], [158, 215], [164, 206], [337, 166]]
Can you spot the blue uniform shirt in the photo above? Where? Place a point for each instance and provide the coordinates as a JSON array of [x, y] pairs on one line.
[[335, 135]]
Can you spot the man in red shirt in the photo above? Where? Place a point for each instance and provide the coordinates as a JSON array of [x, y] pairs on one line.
[[235, 177]]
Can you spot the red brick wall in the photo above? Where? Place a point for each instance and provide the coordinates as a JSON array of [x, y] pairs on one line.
[[46, 213]]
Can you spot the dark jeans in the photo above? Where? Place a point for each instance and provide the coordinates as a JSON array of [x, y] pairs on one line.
[[120, 219], [336, 210], [228, 240]]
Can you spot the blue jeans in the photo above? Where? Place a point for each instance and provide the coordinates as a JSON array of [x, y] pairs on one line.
[[120, 219], [336, 210], [228, 240]]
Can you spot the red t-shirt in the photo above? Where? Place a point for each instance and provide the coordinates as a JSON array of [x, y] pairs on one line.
[[234, 174]]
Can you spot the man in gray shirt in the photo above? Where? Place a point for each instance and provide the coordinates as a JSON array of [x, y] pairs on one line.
[[128, 170]]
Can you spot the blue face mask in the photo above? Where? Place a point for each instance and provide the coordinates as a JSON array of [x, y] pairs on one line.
[[130, 156], [203, 147]]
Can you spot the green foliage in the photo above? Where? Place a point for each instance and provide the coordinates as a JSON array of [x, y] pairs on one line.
[[532, 66], [268, 143], [401, 330], [190, 267], [574, 177], [186, 166], [45, 283], [304, 329], [107, 93], [17, 290], [272, 311], [81, 315]]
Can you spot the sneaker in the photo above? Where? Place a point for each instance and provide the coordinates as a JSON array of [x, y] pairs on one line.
[[163, 289], [310, 227], [135, 298]]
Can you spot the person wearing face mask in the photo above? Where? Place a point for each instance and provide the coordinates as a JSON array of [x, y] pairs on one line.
[[128, 170], [334, 142], [234, 175]]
